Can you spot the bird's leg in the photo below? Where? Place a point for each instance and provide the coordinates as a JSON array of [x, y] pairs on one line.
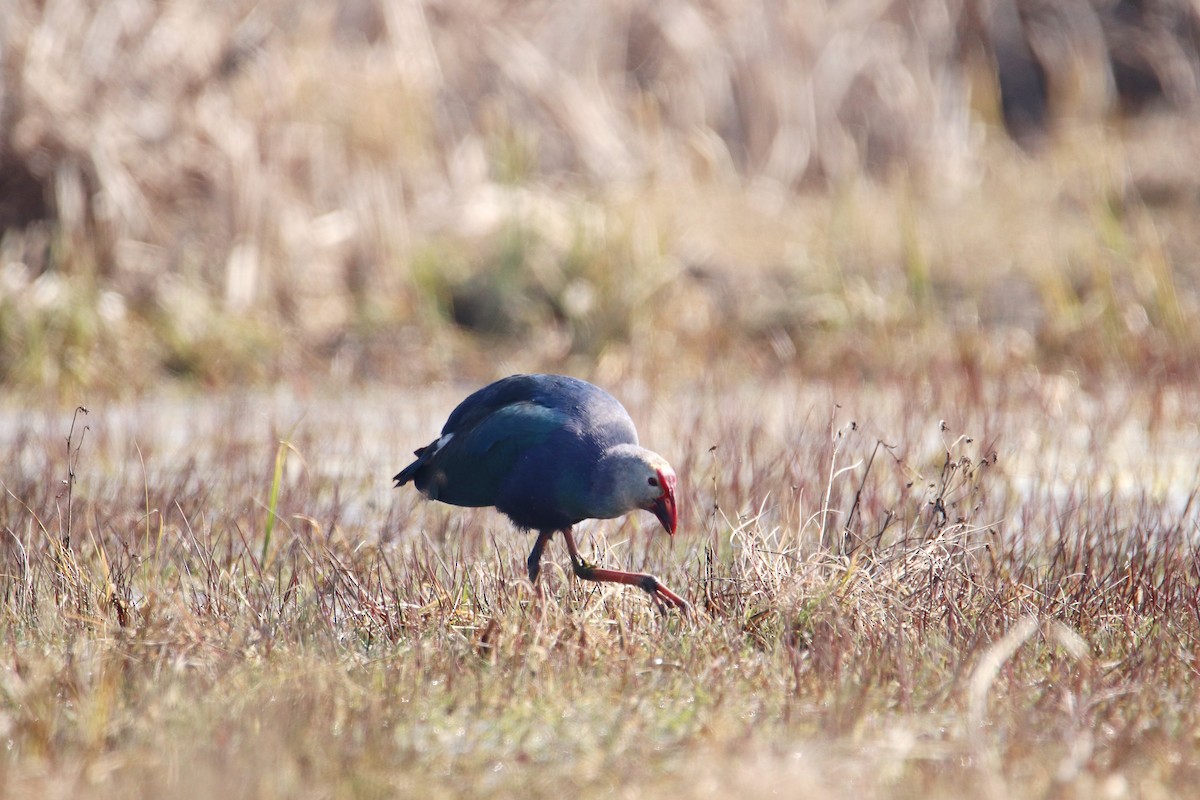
[[649, 583], [535, 558]]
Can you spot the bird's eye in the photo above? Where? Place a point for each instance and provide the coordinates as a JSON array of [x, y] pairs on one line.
[[652, 481]]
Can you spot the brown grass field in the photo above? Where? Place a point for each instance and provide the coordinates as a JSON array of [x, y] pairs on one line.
[[930, 387], [902, 590]]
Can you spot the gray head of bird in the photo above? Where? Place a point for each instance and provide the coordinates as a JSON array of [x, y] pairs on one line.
[[631, 477]]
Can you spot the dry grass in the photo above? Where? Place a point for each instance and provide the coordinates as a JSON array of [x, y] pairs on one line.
[[999, 601]]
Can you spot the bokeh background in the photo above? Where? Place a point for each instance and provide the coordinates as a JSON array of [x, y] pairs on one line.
[[252, 192]]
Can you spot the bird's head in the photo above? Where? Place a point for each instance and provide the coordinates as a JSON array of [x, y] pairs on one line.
[[633, 477]]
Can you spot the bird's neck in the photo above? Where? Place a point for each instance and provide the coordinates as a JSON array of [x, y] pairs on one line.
[[607, 496]]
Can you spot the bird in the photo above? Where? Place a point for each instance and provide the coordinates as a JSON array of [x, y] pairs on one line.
[[549, 451]]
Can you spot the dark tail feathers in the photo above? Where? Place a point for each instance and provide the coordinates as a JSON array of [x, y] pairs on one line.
[[410, 473]]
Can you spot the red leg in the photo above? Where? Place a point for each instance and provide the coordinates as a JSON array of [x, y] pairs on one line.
[[661, 594], [534, 564]]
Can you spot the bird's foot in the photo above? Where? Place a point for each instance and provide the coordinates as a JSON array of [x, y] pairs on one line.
[[663, 597]]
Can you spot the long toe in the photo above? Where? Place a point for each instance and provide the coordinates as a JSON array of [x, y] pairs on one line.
[[671, 600], [677, 602]]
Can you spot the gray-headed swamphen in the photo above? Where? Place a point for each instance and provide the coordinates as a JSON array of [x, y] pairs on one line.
[[549, 451]]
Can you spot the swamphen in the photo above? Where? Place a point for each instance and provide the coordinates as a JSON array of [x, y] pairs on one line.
[[549, 451]]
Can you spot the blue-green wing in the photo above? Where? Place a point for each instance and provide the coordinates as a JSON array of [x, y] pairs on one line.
[[519, 444], [468, 466]]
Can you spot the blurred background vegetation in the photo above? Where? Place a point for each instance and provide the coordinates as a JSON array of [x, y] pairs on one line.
[[288, 190]]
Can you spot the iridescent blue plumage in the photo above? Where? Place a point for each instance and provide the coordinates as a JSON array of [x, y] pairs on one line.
[[548, 451]]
